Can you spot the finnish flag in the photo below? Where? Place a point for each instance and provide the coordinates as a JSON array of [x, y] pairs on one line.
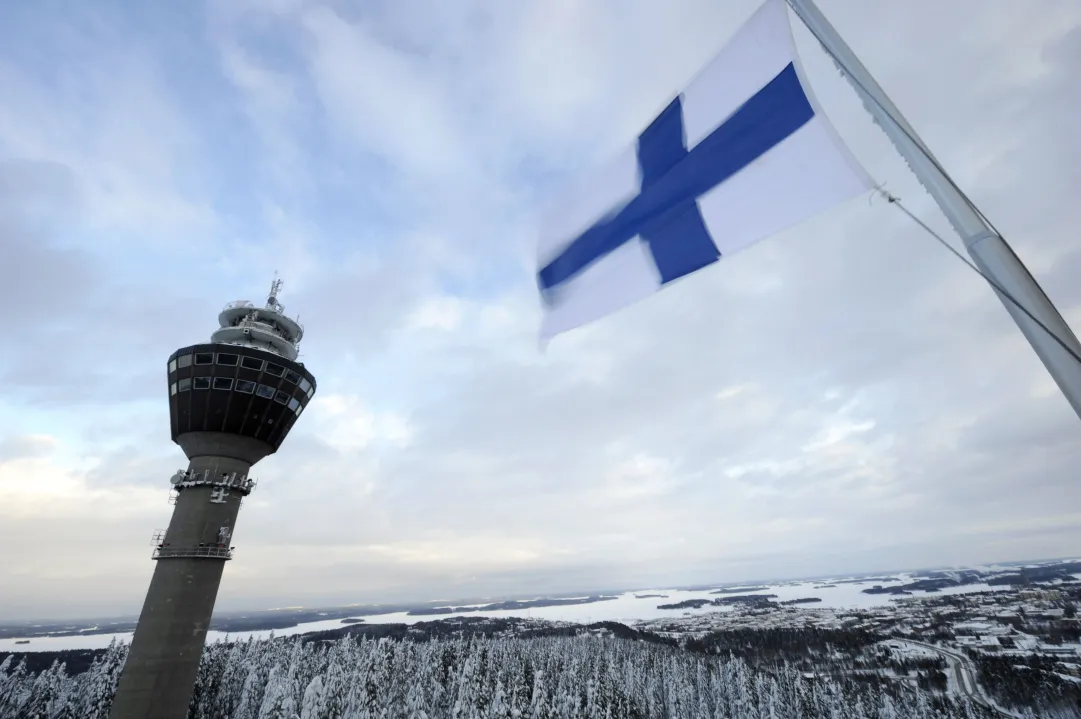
[[742, 153]]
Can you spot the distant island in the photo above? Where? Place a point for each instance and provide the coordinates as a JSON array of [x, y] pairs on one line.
[[686, 604], [651, 596], [738, 590], [751, 599], [754, 601], [511, 605]]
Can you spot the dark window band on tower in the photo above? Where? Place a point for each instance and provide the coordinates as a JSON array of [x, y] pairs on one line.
[[204, 358], [240, 385]]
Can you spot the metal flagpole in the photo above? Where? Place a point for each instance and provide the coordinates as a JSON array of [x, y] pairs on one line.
[[992, 256]]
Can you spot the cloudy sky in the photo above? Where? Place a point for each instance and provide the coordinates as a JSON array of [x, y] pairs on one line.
[[844, 396]]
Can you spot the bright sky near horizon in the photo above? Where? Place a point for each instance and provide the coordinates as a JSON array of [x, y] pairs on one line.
[[844, 396]]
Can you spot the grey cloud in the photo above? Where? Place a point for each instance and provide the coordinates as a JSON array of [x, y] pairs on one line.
[[110, 583], [82, 328], [25, 447], [40, 278], [357, 304], [146, 464], [843, 397]]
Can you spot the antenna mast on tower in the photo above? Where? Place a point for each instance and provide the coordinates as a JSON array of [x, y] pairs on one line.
[[272, 299]]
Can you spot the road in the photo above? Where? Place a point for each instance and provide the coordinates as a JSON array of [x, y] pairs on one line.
[[964, 675]]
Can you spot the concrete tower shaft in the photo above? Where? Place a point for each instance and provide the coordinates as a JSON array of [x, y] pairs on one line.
[[231, 404], [164, 656]]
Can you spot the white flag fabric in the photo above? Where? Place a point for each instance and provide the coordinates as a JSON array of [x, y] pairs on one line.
[[741, 154]]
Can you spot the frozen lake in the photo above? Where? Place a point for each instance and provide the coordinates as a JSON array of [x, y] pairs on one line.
[[625, 608]]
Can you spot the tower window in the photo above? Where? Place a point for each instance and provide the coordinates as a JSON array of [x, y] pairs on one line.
[[276, 370], [204, 358], [300, 408], [264, 391], [293, 404], [225, 383], [172, 366], [200, 383], [292, 376], [172, 389], [184, 385], [228, 359], [281, 398], [251, 363], [311, 392], [183, 361], [243, 385], [305, 385]]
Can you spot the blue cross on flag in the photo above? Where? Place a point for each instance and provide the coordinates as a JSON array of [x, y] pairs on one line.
[[741, 154]]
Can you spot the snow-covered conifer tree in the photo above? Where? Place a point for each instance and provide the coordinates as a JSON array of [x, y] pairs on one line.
[[311, 706]]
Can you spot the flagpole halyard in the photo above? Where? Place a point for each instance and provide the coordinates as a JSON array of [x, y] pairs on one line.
[[896, 202], [1036, 316]]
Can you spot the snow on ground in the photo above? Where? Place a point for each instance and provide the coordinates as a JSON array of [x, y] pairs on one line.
[[905, 650], [626, 608]]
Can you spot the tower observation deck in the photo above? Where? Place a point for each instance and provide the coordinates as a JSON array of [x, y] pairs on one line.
[[232, 402]]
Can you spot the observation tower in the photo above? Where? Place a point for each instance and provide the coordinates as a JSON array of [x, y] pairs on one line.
[[231, 403]]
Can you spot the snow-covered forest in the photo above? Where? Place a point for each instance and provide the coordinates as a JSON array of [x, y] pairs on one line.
[[477, 677]]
